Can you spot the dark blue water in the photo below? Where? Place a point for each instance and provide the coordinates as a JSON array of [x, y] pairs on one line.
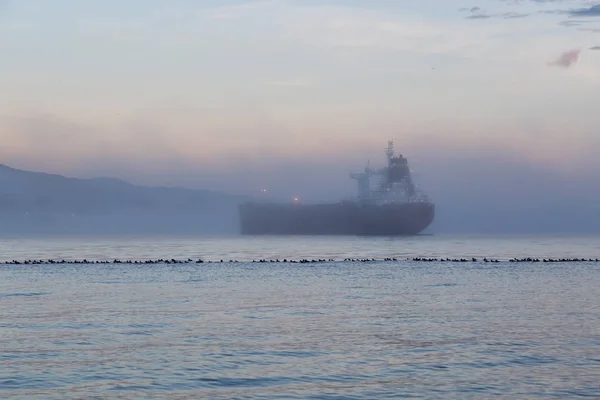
[[336, 330]]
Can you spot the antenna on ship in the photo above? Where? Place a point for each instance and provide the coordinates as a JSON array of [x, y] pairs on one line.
[[390, 149]]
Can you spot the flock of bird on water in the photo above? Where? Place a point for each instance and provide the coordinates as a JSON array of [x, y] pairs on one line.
[[302, 261]]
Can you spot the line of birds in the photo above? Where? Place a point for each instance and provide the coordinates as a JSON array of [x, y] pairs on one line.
[[526, 259], [301, 261]]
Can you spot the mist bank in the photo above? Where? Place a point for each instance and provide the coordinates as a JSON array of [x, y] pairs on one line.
[[119, 223], [40, 203], [477, 190], [494, 191]]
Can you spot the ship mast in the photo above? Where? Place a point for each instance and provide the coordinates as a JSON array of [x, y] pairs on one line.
[[390, 151]]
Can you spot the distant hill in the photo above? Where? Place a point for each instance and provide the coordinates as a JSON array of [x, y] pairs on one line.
[[35, 202]]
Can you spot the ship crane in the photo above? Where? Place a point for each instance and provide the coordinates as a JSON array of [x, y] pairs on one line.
[[364, 183]]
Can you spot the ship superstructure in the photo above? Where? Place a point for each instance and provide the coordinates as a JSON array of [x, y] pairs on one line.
[[387, 203], [392, 184]]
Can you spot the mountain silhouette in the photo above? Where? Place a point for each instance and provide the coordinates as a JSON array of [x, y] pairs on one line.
[[37, 202]]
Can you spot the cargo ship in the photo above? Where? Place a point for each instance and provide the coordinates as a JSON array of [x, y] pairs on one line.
[[387, 203]]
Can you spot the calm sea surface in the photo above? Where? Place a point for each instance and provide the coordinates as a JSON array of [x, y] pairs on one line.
[[335, 330]]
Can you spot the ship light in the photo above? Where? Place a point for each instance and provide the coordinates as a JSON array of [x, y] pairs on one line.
[[296, 199]]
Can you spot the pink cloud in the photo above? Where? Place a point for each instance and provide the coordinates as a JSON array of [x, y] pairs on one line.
[[567, 59]]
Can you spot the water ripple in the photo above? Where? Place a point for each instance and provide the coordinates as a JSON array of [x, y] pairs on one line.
[[336, 331]]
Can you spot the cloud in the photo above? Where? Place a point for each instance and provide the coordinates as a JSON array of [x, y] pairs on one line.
[[479, 13], [595, 30], [572, 23], [585, 11], [510, 15], [470, 9], [567, 59], [349, 28], [593, 11], [479, 16]]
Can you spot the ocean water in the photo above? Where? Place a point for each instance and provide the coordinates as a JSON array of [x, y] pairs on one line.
[[319, 330]]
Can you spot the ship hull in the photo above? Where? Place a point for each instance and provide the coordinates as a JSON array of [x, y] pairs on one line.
[[335, 219]]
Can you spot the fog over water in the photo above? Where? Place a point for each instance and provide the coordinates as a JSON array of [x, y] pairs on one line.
[[496, 114], [473, 192]]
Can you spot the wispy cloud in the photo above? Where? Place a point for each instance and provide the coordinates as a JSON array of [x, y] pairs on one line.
[[584, 11], [594, 30], [592, 11], [580, 12], [470, 9], [570, 23], [346, 27], [479, 13], [510, 15], [567, 59]]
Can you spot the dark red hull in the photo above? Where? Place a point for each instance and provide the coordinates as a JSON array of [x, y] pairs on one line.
[[335, 219]]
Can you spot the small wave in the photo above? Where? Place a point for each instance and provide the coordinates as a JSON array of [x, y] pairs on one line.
[[33, 294], [443, 285]]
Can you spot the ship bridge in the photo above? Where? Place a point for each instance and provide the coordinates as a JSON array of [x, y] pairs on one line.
[[395, 182]]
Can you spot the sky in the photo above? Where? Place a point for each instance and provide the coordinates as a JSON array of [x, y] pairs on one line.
[[492, 101]]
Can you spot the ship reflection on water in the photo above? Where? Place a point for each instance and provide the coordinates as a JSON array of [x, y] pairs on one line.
[[390, 206]]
